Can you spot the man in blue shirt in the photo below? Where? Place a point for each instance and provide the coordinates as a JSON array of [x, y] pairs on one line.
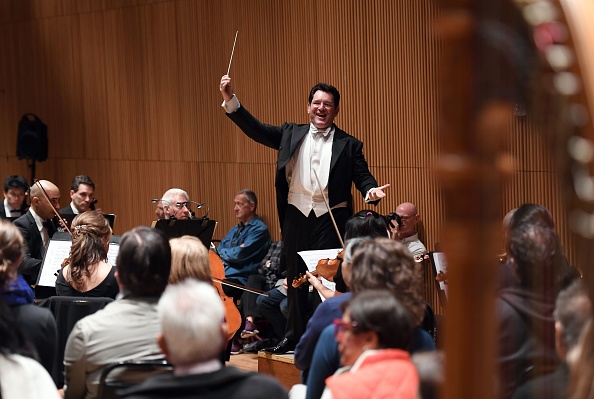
[[246, 244]]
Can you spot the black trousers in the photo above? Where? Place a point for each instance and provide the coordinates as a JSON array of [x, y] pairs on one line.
[[302, 233]]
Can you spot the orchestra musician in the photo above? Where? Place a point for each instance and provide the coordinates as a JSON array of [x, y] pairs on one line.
[[82, 190], [15, 188], [36, 227], [303, 149], [173, 205]]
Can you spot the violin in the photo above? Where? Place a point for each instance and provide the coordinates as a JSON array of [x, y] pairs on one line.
[[325, 268], [232, 315]]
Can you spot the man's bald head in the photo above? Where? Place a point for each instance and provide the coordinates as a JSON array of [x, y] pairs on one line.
[[409, 215], [38, 201]]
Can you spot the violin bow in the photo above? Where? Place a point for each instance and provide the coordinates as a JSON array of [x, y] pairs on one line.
[[49, 201], [328, 206], [241, 287]]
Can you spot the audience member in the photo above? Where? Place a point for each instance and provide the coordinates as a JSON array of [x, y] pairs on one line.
[[526, 323], [37, 324], [126, 328], [15, 189], [87, 272], [193, 334], [20, 376], [582, 366], [406, 230], [82, 189], [373, 335], [36, 227], [174, 205], [380, 263], [189, 259], [573, 311], [431, 370]]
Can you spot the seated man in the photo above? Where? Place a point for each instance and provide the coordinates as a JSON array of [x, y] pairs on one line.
[[406, 230], [246, 244], [126, 328], [82, 189], [36, 227], [173, 205], [573, 311], [15, 188], [193, 333]]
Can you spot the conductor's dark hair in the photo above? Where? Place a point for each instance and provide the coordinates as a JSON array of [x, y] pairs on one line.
[[81, 179], [327, 89], [15, 181], [380, 311], [144, 262], [366, 223]]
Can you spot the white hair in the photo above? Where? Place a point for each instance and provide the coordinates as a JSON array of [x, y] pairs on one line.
[[169, 198], [191, 314]]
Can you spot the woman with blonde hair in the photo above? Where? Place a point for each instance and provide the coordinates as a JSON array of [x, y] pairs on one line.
[[87, 272], [189, 259]]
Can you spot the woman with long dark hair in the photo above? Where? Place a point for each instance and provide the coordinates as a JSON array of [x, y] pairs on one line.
[[87, 272]]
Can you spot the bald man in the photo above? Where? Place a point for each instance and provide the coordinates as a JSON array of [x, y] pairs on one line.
[[37, 228], [406, 232]]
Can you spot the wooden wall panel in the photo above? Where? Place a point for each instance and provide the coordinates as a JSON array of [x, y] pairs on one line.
[[129, 91]]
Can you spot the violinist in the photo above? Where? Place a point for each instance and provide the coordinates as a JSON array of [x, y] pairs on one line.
[[82, 190], [363, 224], [15, 189], [36, 227]]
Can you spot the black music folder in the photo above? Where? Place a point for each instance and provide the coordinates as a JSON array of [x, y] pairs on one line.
[[203, 229]]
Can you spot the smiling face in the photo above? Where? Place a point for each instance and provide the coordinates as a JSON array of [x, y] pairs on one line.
[[321, 109]]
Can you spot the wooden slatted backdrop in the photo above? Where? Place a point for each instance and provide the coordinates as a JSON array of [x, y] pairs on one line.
[[129, 92]]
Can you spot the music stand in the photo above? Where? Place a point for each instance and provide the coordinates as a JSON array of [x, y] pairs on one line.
[[58, 249], [203, 229], [440, 265]]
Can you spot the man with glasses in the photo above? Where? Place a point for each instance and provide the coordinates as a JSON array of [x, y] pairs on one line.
[[174, 205], [15, 188], [406, 230], [37, 227]]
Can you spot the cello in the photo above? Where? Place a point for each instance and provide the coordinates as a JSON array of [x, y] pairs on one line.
[[232, 315]]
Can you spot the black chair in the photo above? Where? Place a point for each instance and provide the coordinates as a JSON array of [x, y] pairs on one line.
[[121, 375], [67, 310]]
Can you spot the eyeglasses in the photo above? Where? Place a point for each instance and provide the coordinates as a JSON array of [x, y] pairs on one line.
[[180, 205], [406, 217], [341, 326]]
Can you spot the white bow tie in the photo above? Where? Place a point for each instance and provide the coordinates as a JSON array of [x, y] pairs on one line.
[[324, 132]]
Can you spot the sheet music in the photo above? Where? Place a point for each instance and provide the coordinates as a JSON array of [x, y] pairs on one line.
[[59, 250], [441, 265], [311, 259]]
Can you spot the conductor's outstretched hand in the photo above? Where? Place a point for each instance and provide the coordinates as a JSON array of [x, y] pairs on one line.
[[226, 88]]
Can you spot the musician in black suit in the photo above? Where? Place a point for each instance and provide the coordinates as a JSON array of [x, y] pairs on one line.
[[37, 227], [82, 190], [15, 189], [338, 160]]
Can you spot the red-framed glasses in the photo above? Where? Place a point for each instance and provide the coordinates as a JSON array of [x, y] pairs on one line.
[[341, 326]]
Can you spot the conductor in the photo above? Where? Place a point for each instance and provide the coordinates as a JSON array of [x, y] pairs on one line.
[[338, 160]]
